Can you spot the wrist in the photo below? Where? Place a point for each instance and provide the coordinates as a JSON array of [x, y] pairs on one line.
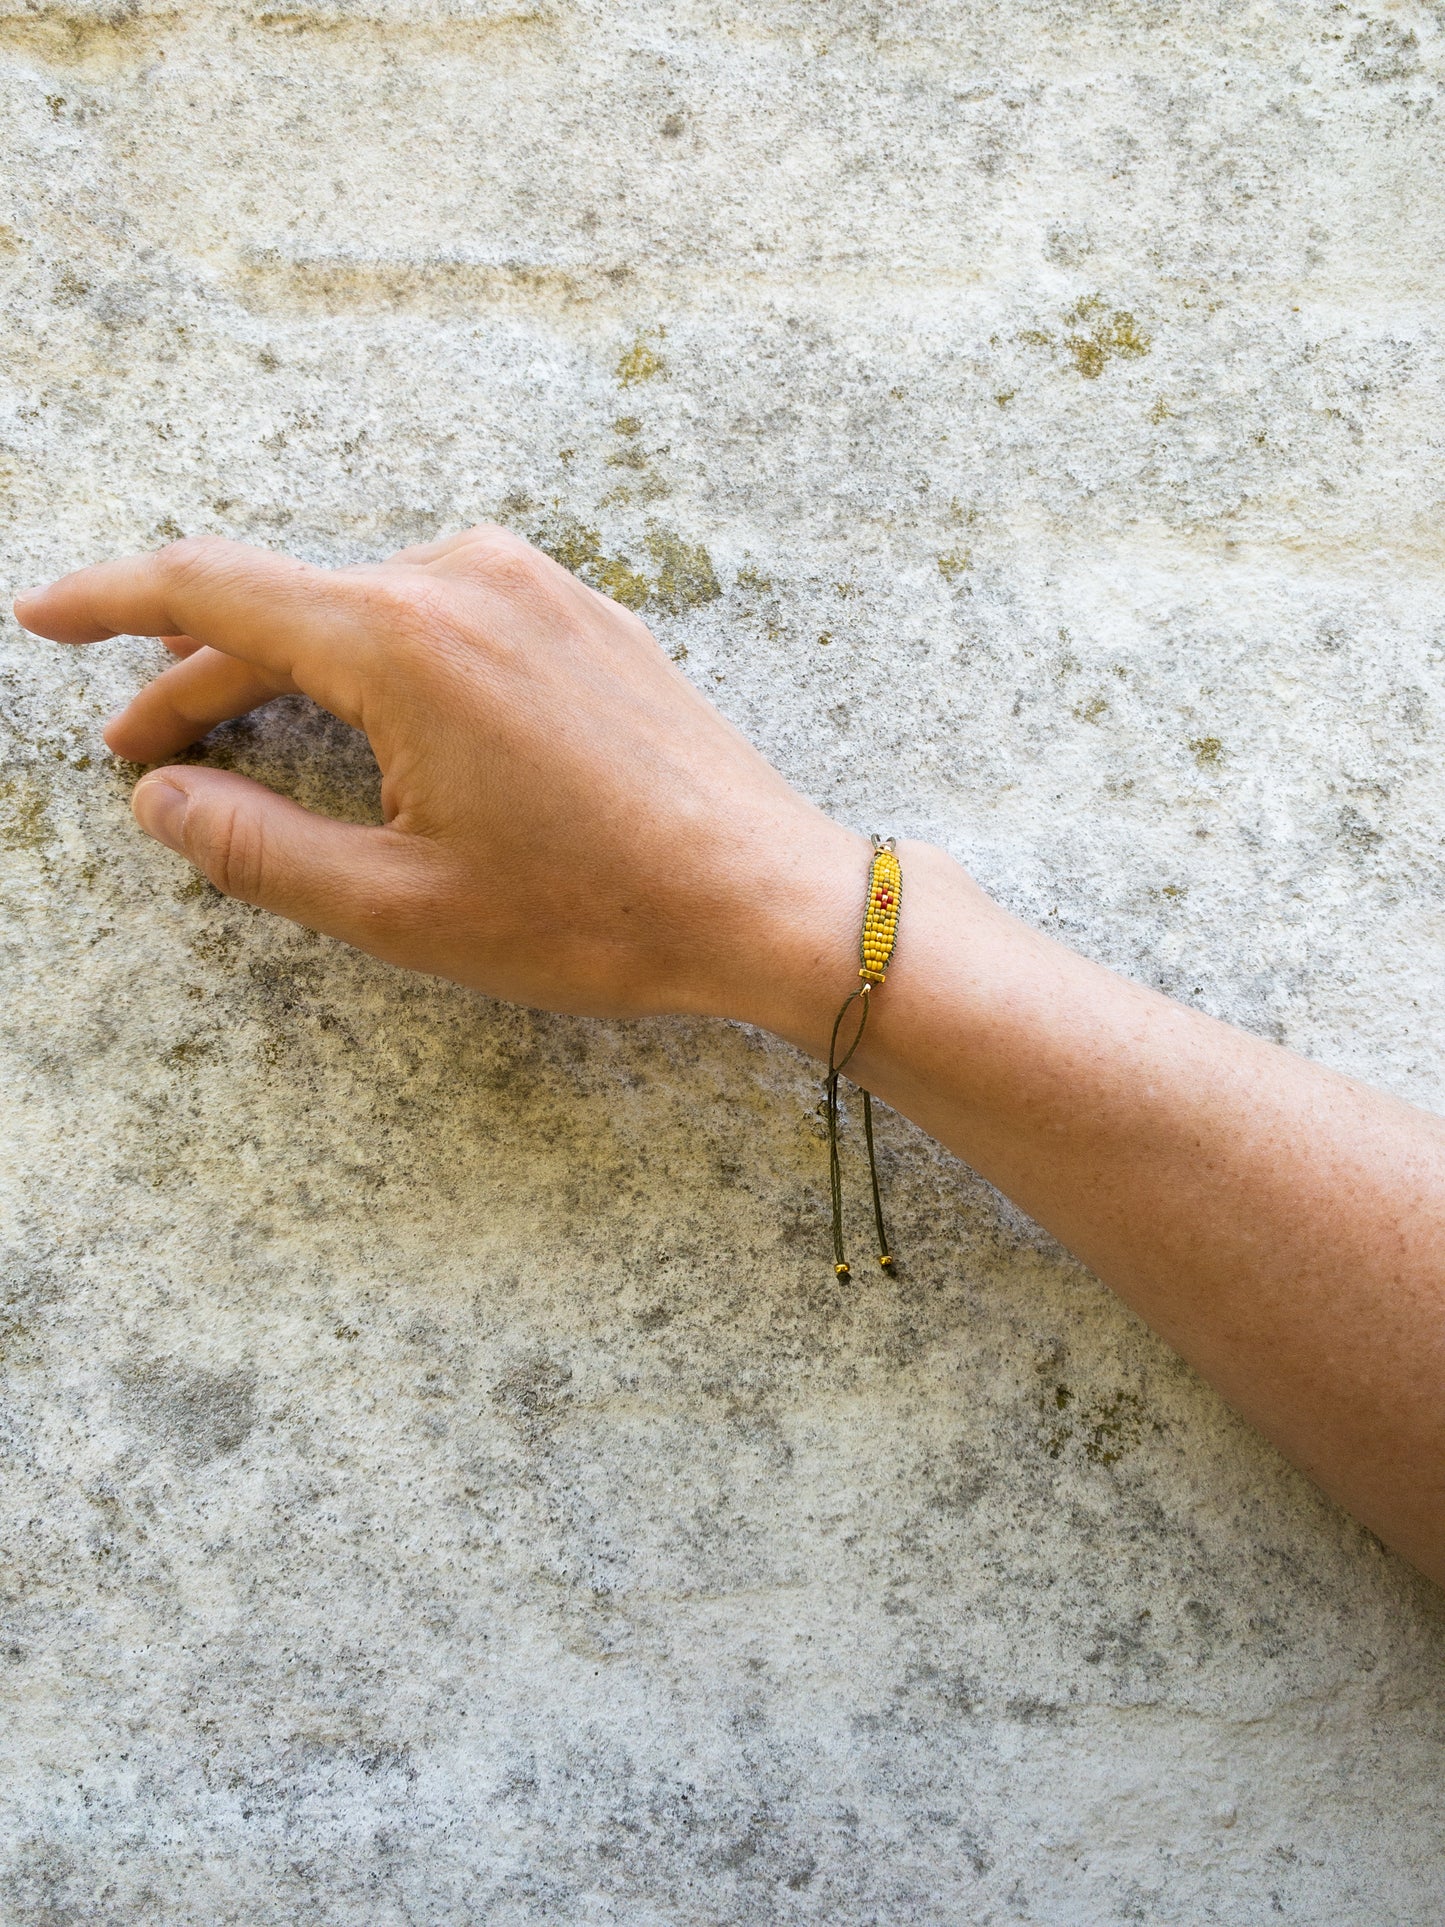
[[947, 977], [802, 962], [789, 953]]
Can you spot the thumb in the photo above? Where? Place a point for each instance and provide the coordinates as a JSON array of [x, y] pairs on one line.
[[370, 887]]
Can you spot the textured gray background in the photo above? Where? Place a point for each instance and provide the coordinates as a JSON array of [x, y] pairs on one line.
[[439, 1482]]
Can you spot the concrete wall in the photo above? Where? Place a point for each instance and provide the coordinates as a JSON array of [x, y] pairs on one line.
[[439, 1482]]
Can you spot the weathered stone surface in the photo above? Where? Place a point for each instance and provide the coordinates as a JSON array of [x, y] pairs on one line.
[[439, 1483]]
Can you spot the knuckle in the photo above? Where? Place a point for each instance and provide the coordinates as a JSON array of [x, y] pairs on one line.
[[484, 539], [507, 565], [229, 845], [193, 557]]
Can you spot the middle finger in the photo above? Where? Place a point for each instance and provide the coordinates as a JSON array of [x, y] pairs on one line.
[[185, 701]]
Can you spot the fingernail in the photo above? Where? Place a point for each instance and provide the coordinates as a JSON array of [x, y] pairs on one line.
[[160, 809]]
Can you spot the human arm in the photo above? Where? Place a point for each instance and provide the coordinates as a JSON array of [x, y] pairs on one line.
[[569, 823]]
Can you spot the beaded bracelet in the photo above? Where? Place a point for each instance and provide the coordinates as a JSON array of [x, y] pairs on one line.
[[875, 953]]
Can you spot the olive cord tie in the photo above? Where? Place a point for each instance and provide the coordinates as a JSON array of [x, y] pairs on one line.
[[836, 1065], [880, 930]]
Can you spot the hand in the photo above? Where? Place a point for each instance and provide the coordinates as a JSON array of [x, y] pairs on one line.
[[568, 823]]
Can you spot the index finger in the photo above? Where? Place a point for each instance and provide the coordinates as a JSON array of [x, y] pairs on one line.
[[269, 610]]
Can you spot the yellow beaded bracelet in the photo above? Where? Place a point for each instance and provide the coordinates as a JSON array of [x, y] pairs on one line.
[[880, 917], [875, 953]]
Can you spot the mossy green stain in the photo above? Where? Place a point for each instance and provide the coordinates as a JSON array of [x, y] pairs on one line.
[[640, 362], [190, 1050], [686, 578], [1094, 336], [1116, 1427], [24, 814], [571, 543], [1120, 334], [616, 577], [1106, 1430]]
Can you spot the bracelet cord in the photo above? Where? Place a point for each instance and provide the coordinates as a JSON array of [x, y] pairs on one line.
[[880, 930]]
